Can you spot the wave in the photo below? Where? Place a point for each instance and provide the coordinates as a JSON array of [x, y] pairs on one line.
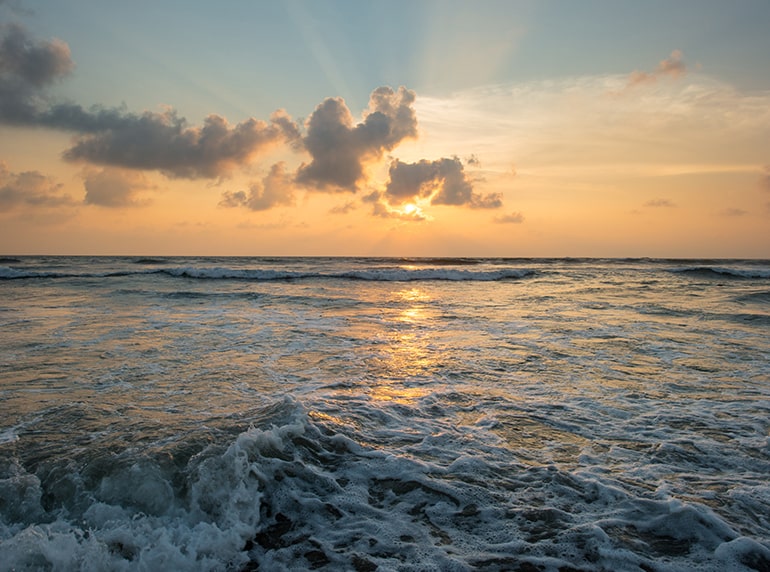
[[371, 274], [723, 272], [299, 491], [264, 275], [762, 297], [443, 261], [7, 273]]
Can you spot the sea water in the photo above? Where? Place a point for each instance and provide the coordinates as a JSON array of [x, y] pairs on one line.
[[384, 414]]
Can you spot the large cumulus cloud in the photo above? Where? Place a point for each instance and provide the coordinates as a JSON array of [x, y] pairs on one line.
[[340, 149]]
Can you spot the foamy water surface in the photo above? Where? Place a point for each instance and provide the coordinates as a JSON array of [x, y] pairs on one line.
[[384, 414]]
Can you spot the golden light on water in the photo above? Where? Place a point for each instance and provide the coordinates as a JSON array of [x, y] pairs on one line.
[[407, 358]]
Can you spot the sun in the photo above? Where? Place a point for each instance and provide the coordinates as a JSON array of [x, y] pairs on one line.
[[410, 208]]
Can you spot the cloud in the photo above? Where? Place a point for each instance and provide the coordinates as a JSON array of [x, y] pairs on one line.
[[764, 180], [114, 187], [27, 67], [275, 189], [512, 218], [30, 189], [733, 212], [343, 209], [381, 208], [113, 137], [658, 203], [340, 149], [673, 67], [164, 142], [443, 181]]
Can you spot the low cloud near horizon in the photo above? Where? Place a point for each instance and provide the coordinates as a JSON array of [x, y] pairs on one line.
[[30, 189]]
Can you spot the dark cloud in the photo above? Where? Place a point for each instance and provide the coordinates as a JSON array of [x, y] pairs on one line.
[[444, 181], [512, 218], [658, 203], [164, 141], [30, 189], [114, 187], [274, 190], [340, 149], [113, 137], [27, 67], [673, 66]]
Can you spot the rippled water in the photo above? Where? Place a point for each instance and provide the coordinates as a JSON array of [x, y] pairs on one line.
[[383, 414]]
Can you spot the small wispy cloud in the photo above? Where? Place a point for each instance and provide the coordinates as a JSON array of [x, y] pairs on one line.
[[764, 180], [672, 67], [732, 212], [512, 218], [660, 203], [344, 208]]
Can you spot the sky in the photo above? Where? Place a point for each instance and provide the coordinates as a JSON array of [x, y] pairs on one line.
[[591, 128]]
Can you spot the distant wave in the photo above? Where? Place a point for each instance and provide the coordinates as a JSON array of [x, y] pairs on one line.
[[371, 274], [443, 261], [150, 261], [7, 273], [263, 275], [722, 272], [9, 260]]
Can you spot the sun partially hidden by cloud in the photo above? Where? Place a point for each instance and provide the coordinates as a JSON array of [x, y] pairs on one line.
[[442, 182]]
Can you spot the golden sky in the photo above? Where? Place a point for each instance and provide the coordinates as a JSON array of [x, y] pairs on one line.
[[434, 129]]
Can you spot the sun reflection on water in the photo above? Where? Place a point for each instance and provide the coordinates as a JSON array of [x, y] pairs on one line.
[[407, 361]]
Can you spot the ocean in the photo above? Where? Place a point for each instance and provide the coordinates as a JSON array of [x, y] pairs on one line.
[[384, 414]]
